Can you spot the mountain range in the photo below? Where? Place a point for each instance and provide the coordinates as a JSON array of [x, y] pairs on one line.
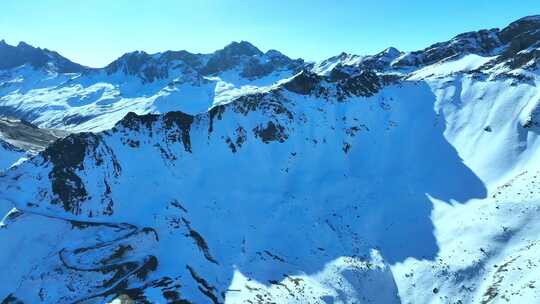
[[244, 176]]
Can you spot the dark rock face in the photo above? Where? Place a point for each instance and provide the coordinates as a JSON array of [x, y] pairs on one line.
[[256, 68], [517, 42], [133, 121], [183, 122], [229, 57], [15, 56], [158, 66], [205, 287], [523, 58], [480, 42], [339, 73], [199, 241], [67, 157], [242, 48], [365, 83], [521, 35], [520, 28], [133, 63], [533, 121], [138, 63], [11, 299], [304, 83], [271, 104], [347, 81], [270, 132], [193, 60], [177, 126]]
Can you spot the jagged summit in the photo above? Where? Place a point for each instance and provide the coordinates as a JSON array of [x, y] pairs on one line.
[[242, 48], [528, 20], [242, 56], [136, 63], [133, 61], [23, 53], [520, 35], [380, 62], [24, 45], [517, 36], [391, 51], [535, 18], [506, 43], [399, 177], [180, 80]]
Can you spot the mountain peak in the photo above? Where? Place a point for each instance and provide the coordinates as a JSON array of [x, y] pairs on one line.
[[24, 53], [23, 44], [527, 26], [241, 48], [532, 18], [134, 54], [274, 53], [391, 52], [133, 63]]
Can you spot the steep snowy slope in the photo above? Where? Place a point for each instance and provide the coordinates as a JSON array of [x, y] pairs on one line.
[[9, 154], [393, 178], [372, 197], [20, 140]]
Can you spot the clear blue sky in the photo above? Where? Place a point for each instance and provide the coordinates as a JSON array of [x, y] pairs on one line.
[[95, 32]]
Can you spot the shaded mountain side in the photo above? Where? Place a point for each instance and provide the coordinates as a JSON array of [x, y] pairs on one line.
[[23, 53], [376, 177], [19, 140]]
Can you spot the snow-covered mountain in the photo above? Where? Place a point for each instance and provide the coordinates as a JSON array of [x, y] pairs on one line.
[[25, 54], [20, 140], [10, 154], [95, 99], [248, 177]]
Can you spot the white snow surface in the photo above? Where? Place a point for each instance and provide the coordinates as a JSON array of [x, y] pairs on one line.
[[466, 63], [426, 192], [96, 101]]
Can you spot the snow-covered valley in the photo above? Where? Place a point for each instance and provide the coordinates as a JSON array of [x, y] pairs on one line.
[[249, 177]]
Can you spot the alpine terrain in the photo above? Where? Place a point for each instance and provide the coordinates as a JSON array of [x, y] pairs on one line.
[[244, 176]]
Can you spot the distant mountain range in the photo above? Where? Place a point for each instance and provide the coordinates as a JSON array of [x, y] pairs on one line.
[[244, 176], [70, 96]]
